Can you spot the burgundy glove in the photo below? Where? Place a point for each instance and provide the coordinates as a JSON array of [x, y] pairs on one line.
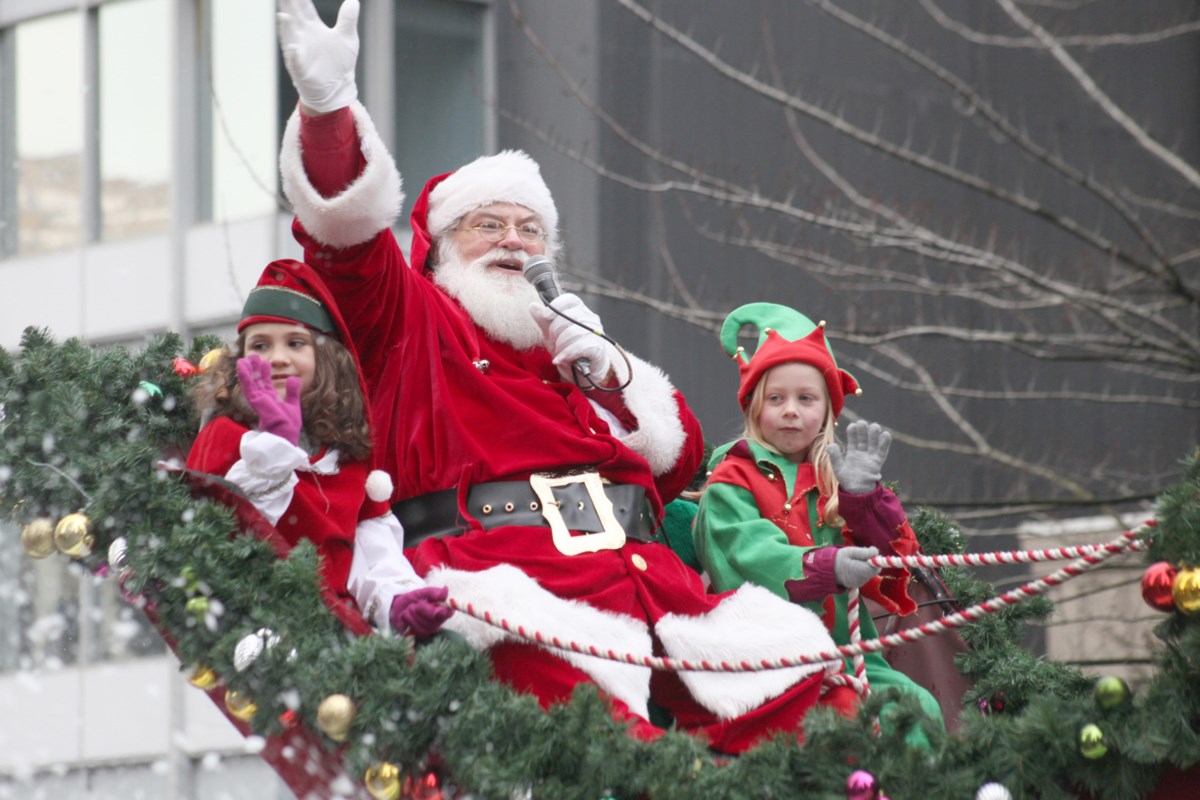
[[280, 417], [420, 611]]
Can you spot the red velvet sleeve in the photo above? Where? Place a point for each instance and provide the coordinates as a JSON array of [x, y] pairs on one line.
[[330, 152]]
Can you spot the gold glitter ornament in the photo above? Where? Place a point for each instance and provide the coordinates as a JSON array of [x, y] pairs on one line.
[[239, 705], [203, 678], [37, 538], [1186, 591], [73, 535], [210, 358], [335, 715], [383, 781]]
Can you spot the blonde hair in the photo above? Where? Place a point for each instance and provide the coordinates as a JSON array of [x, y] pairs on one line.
[[818, 453]]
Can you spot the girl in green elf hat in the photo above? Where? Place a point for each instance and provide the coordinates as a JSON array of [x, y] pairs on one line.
[[787, 507]]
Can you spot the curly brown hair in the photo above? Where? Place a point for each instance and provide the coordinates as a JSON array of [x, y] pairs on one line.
[[333, 406]]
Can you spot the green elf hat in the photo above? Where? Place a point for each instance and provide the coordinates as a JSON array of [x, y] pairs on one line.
[[784, 335], [291, 292]]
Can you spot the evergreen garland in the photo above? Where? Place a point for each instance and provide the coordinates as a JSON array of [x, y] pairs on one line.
[[82, 428]]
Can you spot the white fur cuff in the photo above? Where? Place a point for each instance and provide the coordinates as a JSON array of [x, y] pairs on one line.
[[506, 591], [751, 625], [659, 437], [368, 205]]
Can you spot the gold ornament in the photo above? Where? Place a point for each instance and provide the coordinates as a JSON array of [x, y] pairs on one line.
[[210, 358], [1186, 591], [335, 715], [1091, 742], [37, 538], [383, 781], [203, 678], [73, 535], [239, 705]]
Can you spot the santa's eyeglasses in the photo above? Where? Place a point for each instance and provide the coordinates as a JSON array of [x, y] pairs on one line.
[[492, 231]]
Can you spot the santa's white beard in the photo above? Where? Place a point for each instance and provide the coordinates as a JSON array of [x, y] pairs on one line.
[[497, 301]]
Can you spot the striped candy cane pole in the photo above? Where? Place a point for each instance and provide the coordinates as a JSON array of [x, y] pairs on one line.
[[859, 661]]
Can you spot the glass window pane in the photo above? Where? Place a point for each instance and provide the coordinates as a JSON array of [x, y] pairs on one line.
[[439, 68], [49, 133], [135, 109], [244, 143]]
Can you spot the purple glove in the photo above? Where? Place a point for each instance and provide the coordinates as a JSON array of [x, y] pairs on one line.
[[280, 417], [420, 611]]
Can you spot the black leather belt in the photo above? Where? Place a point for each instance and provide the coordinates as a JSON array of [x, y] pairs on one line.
[[498, 503]]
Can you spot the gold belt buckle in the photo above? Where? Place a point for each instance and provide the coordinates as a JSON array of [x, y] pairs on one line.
[[610, 537]]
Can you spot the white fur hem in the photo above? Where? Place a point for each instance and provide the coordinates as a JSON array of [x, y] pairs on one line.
[[368, 205], [659, 437], [507, 592], [751, 625]]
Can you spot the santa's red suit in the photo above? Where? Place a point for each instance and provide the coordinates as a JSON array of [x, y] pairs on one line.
[[454, 409]]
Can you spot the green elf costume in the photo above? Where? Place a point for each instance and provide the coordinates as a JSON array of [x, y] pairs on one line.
[[762, 517]]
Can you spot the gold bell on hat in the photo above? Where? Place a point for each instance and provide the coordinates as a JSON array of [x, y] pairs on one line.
[[73, 535], [37, 538]]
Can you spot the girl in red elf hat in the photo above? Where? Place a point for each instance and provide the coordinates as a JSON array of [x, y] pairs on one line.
[[786, 507], [286, 420]]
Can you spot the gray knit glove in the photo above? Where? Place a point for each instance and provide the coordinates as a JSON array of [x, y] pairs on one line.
[[850, 566], [866, 449]]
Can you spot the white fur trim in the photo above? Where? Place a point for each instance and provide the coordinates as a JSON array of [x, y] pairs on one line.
[[510, 176], [368, 205], [751, 625], [506, 591], [379, 485], [650, 397]]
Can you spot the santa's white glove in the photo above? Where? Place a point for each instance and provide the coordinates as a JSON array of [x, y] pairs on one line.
[[320, 59], [568, 342], [859, 469]]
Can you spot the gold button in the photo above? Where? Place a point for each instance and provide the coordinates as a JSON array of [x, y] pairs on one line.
[[770, 476], [787, 506], [487, 508], [639, 562]]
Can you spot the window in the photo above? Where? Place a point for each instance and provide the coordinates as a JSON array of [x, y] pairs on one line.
[[135, 117], [438, 89], [47, 82], [238, 120]]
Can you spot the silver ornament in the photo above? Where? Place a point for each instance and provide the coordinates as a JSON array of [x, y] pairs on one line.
[[116, 553], [993, 791]]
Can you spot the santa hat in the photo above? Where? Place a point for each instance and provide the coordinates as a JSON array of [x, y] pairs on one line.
[[784, 335], [291, 292], [510, 176]]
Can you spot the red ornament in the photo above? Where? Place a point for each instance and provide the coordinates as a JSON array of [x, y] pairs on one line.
[[288, 719], [184, 368], [1157, 581], [423, 788]]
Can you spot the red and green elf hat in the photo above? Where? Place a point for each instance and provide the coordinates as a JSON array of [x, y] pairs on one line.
[[291, 292], [784, 335]]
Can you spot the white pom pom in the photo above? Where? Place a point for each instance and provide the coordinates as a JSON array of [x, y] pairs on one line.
[[993, 791], [379, 485]]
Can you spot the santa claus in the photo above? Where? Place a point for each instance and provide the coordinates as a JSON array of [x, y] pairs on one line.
[[531, 458]]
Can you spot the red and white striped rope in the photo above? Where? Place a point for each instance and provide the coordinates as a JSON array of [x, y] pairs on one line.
[[1089, 558], [1001, 557]]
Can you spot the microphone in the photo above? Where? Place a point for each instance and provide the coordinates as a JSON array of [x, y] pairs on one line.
[[539, 271]]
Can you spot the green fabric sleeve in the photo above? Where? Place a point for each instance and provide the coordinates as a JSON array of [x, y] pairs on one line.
[[736, 545]]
